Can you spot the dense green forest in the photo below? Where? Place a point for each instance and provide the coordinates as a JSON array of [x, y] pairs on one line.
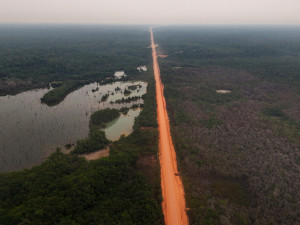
[[123, 188], [33, 56], [58, 94], [101, 117], [95, 141], [269, 52], [238, 152]]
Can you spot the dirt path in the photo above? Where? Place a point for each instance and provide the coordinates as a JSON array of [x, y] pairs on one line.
[[174, 208], [96, 155]]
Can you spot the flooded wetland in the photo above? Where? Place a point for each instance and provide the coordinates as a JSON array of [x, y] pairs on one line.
[[31, 131]]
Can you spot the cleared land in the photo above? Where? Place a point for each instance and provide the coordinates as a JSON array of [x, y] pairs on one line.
[[172, 188]]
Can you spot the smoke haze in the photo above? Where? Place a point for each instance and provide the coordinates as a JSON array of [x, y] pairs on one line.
[[151, 12]]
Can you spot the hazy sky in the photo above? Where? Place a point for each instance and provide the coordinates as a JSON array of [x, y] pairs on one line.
[[151, 12]]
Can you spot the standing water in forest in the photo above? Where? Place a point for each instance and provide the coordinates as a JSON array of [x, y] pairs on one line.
[[30, 131]]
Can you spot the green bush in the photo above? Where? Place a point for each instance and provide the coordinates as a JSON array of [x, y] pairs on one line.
[[58, 94], [127, 92], [104, 97], [95, 141], [274, 111], [101, 117]]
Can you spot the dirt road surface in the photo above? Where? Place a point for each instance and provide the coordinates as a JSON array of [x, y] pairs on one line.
[[173, 204]]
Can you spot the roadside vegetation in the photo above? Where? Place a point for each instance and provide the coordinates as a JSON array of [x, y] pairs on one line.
[[238, 152]]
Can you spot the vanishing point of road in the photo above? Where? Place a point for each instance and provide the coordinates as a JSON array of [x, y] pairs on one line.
[[173, 204]]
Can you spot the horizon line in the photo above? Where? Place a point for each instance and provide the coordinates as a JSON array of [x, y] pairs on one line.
[[149, 24]]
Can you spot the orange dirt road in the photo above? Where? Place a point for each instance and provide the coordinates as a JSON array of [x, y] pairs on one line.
[[173, 204]]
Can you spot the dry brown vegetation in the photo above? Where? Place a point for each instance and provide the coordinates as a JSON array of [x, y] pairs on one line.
[[16, 85], [239, 152]]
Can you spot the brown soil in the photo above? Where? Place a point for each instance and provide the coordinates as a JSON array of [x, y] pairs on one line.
[[173, 204], [96, 155], [162, 56]]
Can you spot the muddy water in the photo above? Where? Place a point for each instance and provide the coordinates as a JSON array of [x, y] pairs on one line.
[[121, 125], [30, 131]]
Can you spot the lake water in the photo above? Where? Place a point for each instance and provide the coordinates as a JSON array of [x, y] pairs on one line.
[[121, 125], [31, 131], [119, 74]]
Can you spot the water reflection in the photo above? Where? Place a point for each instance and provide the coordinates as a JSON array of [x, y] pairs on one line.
[[30, 131], [119, 74], [121, 125]]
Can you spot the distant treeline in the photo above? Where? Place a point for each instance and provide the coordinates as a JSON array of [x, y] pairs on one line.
[[268, 52], [51, 53]]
